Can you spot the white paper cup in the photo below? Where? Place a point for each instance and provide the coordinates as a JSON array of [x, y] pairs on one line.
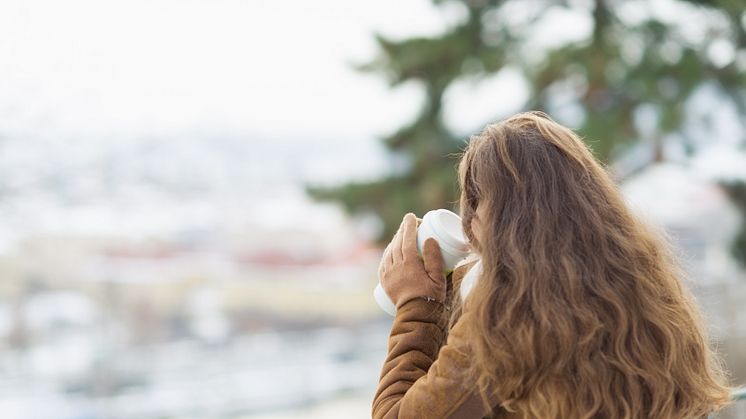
[[445, 227]]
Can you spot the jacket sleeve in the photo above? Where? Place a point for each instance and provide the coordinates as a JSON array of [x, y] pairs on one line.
[[421, 379]]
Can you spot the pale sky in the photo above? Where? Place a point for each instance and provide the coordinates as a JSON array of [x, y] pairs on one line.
[[269, 68]]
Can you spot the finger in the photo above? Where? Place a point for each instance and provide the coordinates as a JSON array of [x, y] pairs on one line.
[[432, 258], [409, 239], [387, 257], [386, 264], [396, 252], [384, 257]]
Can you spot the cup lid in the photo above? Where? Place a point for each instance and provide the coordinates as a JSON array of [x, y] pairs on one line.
[[447, 226]]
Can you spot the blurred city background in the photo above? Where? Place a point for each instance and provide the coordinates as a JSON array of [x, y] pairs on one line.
[[194, 194]]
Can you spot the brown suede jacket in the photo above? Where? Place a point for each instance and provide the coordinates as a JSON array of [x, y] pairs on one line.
[[423, 376]]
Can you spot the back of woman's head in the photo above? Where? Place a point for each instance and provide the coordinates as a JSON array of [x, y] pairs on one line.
[[580, 311]]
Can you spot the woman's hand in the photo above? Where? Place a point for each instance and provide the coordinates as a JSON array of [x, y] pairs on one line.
[[404, 274]]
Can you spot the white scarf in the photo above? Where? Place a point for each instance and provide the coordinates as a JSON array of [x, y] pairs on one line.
[[470, 279]]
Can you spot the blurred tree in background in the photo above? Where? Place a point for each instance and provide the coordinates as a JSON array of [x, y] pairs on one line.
[[638, 63]]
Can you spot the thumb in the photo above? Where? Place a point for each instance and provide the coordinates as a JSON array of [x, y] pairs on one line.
[[433, 259]]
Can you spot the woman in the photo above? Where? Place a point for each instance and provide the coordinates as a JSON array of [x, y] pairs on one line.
[[579, 310]]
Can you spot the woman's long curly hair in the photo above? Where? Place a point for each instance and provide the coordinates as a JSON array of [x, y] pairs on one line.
[[580, 311]]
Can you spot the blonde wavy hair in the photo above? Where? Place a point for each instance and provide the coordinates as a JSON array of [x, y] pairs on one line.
[[580, 311]]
